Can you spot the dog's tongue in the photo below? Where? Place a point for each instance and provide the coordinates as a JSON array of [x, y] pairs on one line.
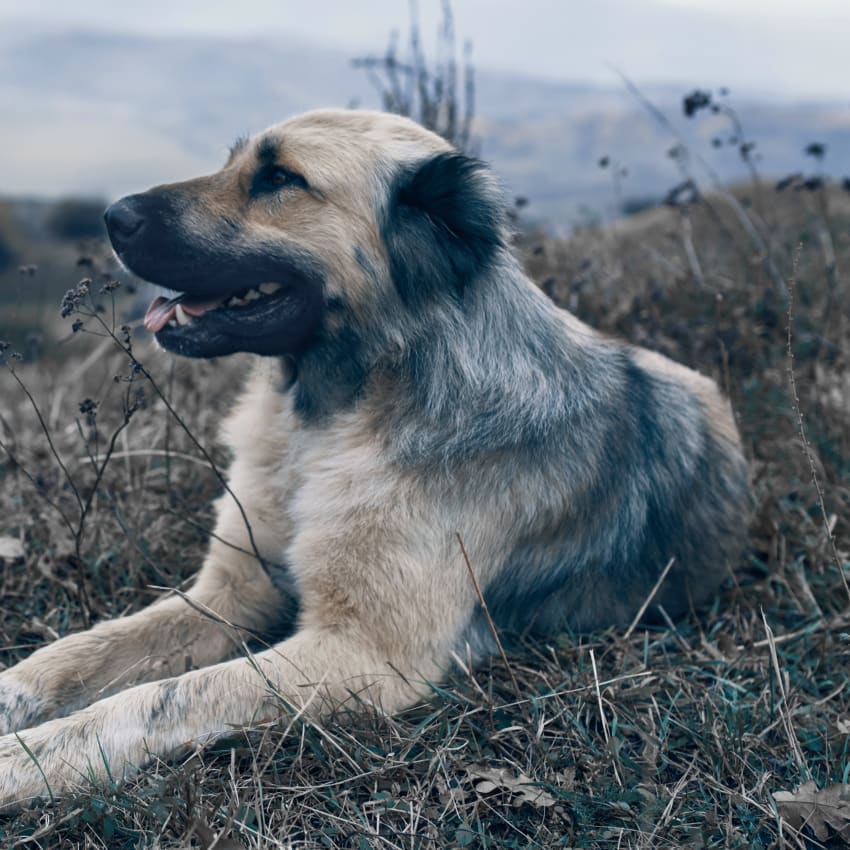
[[160, 313], [162, 310]]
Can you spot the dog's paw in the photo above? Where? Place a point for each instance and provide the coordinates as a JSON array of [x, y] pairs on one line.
[[20, 705], [46, 761], [65, 754], [20, 778]]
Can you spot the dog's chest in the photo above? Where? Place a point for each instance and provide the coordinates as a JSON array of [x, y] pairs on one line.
[[293, 477]]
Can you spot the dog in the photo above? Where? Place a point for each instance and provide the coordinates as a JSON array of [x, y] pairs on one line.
[[420, 411]]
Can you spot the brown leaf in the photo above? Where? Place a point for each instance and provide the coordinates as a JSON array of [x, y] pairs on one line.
[[817, 809], [520, 786]]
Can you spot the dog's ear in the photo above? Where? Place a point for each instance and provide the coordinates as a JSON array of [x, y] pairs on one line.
[[444, 226]]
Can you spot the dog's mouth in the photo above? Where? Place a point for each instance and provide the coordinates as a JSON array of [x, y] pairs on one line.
[[241, 307], [268, 318]]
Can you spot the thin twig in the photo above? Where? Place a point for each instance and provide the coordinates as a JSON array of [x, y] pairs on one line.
[[153, 453], [602, 717], [37, 487], [46, 431], [798, 412], [783, 709], [649, 598], [490, 622]]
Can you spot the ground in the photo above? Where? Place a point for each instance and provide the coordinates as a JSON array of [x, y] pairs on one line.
[[673, 736]]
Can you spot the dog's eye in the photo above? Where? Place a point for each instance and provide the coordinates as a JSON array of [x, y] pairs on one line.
[[277, 176], [273, 178]]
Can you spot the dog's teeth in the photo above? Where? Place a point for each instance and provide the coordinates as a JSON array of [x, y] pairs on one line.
[[180, 316], [246, 296]]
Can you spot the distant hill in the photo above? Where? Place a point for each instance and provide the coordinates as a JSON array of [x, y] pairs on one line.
[[99, 113]]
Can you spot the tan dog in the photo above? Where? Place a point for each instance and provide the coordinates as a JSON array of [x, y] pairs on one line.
[[416, 387]]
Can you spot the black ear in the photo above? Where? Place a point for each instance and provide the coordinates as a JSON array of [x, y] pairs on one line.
[[444, 225]]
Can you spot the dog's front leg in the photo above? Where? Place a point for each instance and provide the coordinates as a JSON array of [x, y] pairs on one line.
[[379, 630], [110, 738], [165, 639]]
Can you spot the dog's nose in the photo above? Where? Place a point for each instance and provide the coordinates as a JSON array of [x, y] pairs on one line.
[[124, 221]]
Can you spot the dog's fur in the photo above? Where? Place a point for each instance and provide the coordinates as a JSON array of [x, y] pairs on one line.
[[424, 391]]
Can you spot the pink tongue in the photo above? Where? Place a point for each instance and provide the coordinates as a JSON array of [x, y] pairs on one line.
[[160, 313], [162, 310]]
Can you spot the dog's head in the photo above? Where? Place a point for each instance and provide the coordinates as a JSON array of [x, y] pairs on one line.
[[334, 213]]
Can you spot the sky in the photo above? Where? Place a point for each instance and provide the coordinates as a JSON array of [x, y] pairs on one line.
[[781, 48]]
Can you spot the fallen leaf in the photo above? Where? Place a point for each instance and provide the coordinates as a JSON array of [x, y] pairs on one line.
[[524, 789], [11, 549], [817, 809]]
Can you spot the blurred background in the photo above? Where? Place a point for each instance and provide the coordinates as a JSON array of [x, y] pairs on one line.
[[579, 106]]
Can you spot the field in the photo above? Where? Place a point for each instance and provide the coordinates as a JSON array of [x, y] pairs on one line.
[[663, 737]]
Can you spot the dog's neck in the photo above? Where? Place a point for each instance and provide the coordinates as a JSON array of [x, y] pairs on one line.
[[453, 391]]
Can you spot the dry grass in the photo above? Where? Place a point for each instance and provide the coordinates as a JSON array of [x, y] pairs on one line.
[[665, 737]]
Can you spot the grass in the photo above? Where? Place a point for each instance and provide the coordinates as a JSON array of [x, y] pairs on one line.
[[673, 736]]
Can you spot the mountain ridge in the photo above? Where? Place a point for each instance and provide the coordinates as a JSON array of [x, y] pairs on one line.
[[132, 109]]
